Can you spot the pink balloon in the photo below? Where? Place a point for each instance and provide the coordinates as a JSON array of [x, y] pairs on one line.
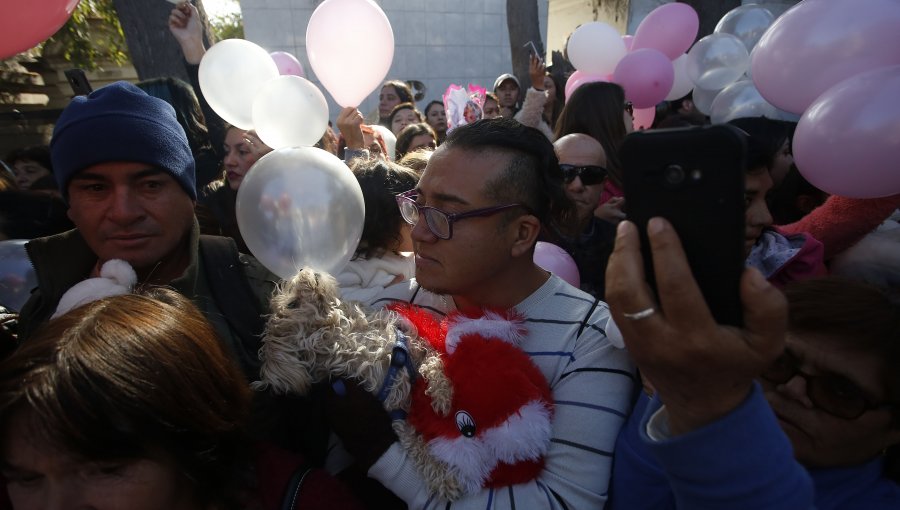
[[646, 75], [556, 260], [818, 43], [670, 29], [643, 118], [287, 64], [578, 78], [846, 143], [628, 40], [25, 24], [353, 65]]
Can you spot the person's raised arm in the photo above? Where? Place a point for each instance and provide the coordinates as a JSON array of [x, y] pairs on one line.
[[532, 110]]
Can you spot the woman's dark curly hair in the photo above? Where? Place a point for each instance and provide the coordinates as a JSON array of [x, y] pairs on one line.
[[381, 181]]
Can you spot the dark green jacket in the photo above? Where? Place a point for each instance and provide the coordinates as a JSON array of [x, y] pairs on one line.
[[63, 260]]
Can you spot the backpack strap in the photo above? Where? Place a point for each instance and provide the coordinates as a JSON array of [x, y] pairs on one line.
[[587, 317], [231, 291]]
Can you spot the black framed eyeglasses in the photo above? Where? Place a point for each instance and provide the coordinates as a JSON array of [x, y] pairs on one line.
[[589, 174], [439, 222], [831, 393]]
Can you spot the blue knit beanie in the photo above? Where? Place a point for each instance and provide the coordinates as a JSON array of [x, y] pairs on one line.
[[120, 122]]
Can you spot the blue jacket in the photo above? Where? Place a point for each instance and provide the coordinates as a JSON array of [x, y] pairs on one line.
[[742, 461]]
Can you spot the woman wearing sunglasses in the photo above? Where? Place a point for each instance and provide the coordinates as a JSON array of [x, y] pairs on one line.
[[835, 393]]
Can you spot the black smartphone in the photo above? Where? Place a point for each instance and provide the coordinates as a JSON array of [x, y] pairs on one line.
[[693, 177], [532, 48], [79, 82]]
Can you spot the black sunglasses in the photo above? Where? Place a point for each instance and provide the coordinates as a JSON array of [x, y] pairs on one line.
[[589, 174]]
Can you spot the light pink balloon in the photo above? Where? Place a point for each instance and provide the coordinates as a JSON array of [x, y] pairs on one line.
[[646, 75], [818, 43], [670, 29], [350, 45], [643, 118], [578, 78], [628, 40], [847, 142], [556, 260], [287, 64]]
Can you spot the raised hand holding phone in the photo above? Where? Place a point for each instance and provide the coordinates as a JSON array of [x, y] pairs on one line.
[[701, 369]]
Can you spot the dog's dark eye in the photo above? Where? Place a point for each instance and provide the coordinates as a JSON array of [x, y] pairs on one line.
[[465, 423]]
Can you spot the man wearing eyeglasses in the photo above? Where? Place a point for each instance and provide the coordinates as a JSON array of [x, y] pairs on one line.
[[587, 238], [476, 215]]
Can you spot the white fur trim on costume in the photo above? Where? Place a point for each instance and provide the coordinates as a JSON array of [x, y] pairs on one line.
[[468, 457], [116, 278], [492, 325], [525, 435]]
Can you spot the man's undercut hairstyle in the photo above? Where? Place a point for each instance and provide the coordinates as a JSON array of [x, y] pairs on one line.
[[533, 176]]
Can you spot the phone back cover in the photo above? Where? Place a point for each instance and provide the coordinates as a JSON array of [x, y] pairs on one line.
[[706, 208]]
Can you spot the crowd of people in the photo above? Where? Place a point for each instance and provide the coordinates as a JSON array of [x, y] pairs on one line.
[[141, 398]]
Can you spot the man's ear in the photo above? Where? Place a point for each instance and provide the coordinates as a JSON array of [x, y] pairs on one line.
[[528, 227]]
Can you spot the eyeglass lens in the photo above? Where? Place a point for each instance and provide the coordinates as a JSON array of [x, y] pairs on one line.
[[831, 393]]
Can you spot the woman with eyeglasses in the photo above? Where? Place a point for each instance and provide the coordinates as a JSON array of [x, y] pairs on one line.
[[835, 395], [601, 111]]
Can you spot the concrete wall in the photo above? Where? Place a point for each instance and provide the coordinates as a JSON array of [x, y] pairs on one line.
[[437, 42]]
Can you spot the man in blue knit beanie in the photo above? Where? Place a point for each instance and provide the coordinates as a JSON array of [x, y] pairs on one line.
[[124, 165]]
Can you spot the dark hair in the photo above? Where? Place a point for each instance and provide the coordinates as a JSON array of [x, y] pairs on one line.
[[493, 97], [768, 135], [127, 376], [403, 90], [404, 139], [856, 314], [187, 108], [435, 102], [559, 101], [533, 176], [786, 197], [40, 154], [596, 109], [404, 106], [380, 182], [26, 214]]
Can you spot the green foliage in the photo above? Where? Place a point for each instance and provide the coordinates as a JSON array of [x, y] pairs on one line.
[[229, 26], [91, 36]]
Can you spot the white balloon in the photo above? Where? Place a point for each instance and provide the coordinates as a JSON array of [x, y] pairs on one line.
[[747, 22], [682, 84], [17, 277], [350, 45], [300, 207], [596, 48], [231, 73], [390, 141], [717, 60], [289, 111], [703, 99], [739, 100]]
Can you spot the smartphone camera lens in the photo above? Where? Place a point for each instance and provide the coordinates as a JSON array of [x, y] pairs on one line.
[[674, 174]]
